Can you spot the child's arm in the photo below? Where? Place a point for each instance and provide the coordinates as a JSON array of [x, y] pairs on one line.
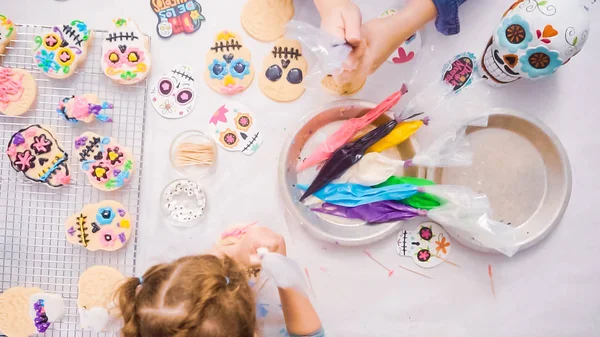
[[341, 18], [301, 319]]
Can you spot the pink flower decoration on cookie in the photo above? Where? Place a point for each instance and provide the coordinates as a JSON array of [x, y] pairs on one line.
[[63, 178], [108, 237], [11, 151], [29, 133]]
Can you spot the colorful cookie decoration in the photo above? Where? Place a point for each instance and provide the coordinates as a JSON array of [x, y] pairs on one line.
[[18, 91], [174, 96], [102, 226], [235, 128], [185, 202], [459, 71], [428, 245], [7, 32], [409, 50], [108, 165], [28, 311], [229, 69], [36, 153], [283, 72], [265, 20], [97, 285], [126, 55], [174, 17], [85, 108]]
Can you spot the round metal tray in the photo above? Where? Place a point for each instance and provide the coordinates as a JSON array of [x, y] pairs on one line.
[[522, 167], [312, 131]]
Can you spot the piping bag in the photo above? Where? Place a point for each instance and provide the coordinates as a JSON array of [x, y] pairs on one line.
[[346, 156], [284, 271], [348, 129], [450, 150], [374, 213], [352, 195], [424, 201], [400, 133]]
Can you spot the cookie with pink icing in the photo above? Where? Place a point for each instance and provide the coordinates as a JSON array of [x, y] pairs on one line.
[[18, 91], [85, 108]]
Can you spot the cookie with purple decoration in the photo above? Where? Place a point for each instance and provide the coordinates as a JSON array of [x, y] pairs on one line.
[[103, 226], [85, 108], [27, 311]]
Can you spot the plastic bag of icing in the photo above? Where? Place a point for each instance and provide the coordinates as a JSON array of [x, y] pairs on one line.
[[470, 214], [324, 53], [284, 271]]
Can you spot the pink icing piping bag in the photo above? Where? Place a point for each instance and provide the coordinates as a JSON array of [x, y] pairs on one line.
[[349, 129]]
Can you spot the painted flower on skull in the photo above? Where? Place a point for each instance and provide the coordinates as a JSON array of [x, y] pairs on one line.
[[25, 161], [108, 237], [540, 61], [425, 233], [114, 156], [423, 255], [105, 215], [100, 172], [514, 33], [41, 144]]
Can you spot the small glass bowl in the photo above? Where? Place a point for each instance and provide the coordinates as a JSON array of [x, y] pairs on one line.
[[193, 171], [185, 197]]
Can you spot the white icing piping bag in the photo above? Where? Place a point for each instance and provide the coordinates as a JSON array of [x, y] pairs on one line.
[[283, 270]]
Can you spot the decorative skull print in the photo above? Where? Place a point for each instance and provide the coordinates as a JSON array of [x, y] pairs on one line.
[[102, 226], [284, 70], [409, 50], [59, 51], [85, 108], [228, 66], [35, 152], [108, 165], [534, 39], [428, 245], [173, 96], [174, 17], [7, 32], [126, 55], [234, 127]]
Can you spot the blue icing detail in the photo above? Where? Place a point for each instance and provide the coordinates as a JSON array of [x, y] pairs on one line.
[[261, 310], [513, 22], [103, 142], [86, 164], [105, 216], [532, 62], [217, 69], [53, 168], [63, 114], [239, 74]]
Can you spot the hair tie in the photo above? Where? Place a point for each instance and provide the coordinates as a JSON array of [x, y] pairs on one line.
[[226, 280], [141, 279]]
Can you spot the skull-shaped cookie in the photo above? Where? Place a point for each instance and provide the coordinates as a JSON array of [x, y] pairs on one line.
[[229, 69], [35, 152], [234, 127], [59, 51], [173, 96], [102, 226], [284, 70], [428, 245], [18, 91], [27, 311], [7, 32], [85, 108], [97, 285], [108, 165], [534, 39], [126, 55], [409, 50]]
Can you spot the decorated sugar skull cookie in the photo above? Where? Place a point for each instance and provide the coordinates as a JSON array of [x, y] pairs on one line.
[[174, 96], [409, 50], [97, 285], [174, 17], [126, 55], [428, 245], [102, 226], [85, 108], [228, 66], [8, 32], [534, 39], [59, 51], [35, 152], [107, 165], [283, 71], [18, 91], [28, 311], [235, 128]]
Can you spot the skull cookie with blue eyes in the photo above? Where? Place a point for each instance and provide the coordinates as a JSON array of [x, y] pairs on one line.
[[228, 66], [173, 96], [284, 71], [234, 127]]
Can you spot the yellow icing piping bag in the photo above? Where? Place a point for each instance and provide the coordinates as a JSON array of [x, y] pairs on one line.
[[400, 133]]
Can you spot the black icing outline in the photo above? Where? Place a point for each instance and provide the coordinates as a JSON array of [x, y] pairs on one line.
[[112, 37], [279, 52]]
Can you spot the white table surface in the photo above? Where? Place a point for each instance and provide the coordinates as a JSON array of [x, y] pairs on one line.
[[549, 290]]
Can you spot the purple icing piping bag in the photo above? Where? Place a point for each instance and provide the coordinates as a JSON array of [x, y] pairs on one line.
[[377, 212]]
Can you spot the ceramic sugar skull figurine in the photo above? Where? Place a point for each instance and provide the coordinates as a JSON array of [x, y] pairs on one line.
[[35, 152], [534, 39], [126, 53], [428, 245], [59, 51], [234, 127], [283, 71], [7, 32], [173, 96], [228, 66]]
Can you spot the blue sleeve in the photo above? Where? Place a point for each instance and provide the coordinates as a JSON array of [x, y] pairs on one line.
[[447, 18], [320, 333]]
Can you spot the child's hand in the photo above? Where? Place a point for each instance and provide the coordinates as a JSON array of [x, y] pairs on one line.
[[244, 250], [341, 18]]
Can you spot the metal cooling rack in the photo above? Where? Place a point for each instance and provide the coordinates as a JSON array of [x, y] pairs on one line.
[[34, 251]]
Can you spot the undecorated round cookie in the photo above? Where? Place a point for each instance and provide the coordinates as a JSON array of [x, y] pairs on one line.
[[102, 226], [18, 91], [344, 89], [284, 69], [265, 20], [15, 320], [97, 285]]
